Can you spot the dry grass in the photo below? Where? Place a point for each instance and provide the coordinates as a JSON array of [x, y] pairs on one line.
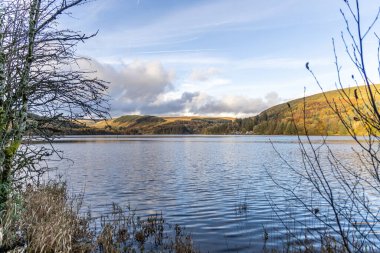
[[46, 219], [123, 231], [190, 118], [88, 122], [51, 222]]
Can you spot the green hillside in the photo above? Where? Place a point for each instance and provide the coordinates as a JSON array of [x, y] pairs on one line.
[[319, 118], [282, 119]]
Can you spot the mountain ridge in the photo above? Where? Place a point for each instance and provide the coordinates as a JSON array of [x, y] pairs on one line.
[[283, 119]]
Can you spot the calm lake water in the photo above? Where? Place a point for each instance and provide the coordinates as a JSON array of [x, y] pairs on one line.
[[200, 182]]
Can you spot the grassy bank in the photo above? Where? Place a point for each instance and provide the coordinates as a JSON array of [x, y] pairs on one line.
[[47, 219]]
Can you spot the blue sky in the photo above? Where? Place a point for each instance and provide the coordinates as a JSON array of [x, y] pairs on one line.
[[212, 57]]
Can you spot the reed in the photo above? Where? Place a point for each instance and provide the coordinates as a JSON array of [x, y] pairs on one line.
[[48, 219]]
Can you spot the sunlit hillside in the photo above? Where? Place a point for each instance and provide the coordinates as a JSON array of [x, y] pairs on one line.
[[319, 118], [283, 119], [146, 124]]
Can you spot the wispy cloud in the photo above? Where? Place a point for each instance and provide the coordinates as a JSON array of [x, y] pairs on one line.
[[195, 20], [158, 52], [276, 63], [202, 59], [188, 59]]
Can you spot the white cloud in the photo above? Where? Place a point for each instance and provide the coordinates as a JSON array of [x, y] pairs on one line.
[[203, 75], [185, 58], [147, 88], [133, 84], [206, 104]]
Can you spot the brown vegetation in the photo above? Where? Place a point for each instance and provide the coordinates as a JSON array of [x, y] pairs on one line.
[[314, 112], [146, 124], [46, 219], [283, 119]]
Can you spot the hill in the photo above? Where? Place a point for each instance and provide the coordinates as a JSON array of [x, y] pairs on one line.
[[319, 118], [147, 124], [282, 119]]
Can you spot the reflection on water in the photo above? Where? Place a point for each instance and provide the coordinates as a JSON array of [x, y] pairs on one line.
[[216, 186]]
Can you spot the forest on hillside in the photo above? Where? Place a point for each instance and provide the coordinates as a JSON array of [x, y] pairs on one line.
[[313, 114]]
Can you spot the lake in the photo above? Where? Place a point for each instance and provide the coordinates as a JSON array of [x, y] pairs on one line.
[[218, 187]]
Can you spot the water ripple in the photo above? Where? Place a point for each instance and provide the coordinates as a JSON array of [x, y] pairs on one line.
[[217, 187]]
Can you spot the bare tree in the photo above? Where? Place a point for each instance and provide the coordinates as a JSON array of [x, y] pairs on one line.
[[41, 85], [344, 192]]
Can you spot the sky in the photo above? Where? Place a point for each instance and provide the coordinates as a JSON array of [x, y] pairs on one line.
[[214, 57]]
